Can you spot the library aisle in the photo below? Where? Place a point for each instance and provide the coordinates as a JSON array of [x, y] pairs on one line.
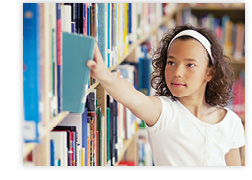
[[69, 118]]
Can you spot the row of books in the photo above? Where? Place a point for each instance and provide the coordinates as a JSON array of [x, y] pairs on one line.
[[92, 138], [144, 149], [114, 25], [231, 34], [139, 70]]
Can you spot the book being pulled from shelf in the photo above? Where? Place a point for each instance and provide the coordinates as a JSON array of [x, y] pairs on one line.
[[77, 50]]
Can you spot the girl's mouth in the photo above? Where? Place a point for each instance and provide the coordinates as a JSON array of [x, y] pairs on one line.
[[178, 85]]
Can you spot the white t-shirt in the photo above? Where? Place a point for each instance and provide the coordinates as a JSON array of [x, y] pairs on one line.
[[179, 138]]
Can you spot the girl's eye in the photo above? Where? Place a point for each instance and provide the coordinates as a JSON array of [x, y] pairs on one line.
[[170, 63], [191, 65]]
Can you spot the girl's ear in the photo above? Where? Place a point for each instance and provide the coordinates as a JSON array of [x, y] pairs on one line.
[[210, 74]]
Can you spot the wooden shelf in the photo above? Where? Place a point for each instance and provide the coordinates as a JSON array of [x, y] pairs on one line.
[[28, 147], [240, 61], [92, 87], [217, 7]]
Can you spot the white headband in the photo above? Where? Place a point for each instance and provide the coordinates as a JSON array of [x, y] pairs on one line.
[[202, 39]]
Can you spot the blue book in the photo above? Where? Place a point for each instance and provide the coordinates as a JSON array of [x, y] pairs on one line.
[[59, 64], [88, 20], [130, 21], [144, 72], [109, 33], [52, 154], [77, 50], [84, 133], [145, 64], [31, 72]]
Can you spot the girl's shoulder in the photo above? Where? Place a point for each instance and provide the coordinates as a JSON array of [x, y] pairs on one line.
[[228, 115]]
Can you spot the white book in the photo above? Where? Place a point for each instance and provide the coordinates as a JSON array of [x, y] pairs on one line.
[[60, 148], [66, 18]]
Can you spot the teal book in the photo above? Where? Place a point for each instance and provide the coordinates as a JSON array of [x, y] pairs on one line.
[[102, 29], [77, 50]]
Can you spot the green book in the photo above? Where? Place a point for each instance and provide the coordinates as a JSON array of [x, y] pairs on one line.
[[77, 49], [99, 129], [108, 136]]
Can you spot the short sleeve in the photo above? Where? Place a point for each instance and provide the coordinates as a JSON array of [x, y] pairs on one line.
[[238, 138], [164, 118]]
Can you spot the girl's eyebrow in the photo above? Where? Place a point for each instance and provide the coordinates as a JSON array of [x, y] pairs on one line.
[[171, 57], [187, 59]]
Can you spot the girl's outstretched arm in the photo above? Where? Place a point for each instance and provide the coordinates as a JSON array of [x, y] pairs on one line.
[[147, 108]]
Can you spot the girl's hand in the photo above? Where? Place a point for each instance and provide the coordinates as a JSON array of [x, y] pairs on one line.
[[97, 66]]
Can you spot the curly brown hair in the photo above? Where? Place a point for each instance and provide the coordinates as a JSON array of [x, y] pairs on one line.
[[218, 90]]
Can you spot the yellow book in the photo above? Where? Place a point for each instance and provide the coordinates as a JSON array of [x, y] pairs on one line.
[[125, 32], [228, 46], [82, 156]]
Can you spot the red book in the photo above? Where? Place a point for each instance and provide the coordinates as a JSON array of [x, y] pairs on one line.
[[88, 153], [97, 148], [126, 163], [72, 159]]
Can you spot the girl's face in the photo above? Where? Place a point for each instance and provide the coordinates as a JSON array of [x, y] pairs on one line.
[[186, 71]]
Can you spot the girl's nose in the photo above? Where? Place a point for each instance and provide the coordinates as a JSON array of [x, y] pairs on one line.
[[179, 71]]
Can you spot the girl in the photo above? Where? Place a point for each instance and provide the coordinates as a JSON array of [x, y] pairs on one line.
[[186, 120]]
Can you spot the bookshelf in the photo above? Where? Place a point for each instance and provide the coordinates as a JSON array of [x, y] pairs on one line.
[[41, 151]]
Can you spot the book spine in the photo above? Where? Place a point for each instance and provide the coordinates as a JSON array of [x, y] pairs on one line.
[[116, 130], [88, 20], [108, 137], [80, 18], [84, 133], [97, 149], [59, 53], [31, 72], [101, 30], [66, 18], [72, 150], [109, 35], [85, 18], [88, 141], [52, 153]]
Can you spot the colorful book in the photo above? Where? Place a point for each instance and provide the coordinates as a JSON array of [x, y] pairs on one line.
[[59, 58], [77, 50]]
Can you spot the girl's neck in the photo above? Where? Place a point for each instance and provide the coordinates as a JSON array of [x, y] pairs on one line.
[[197, 106]]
